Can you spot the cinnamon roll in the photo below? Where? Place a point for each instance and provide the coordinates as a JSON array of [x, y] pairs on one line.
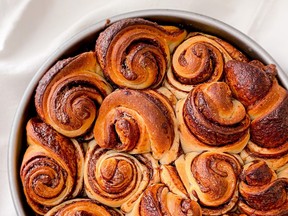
[[138, 121], [135, 53], [199, 59], [52, 167], [68, 95], [82, 206], [158, 200], [212, 179], [256, 86], [210, 119], [117, 179], [262, 191]]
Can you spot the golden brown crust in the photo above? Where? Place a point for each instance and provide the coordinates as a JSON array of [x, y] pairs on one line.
[[138, 122], [254, 152], [213, 119], [68, 94], [250, 82], [212, 179], [262, 191], [135, 53], [158, 200], [271, 130], [170, 177], [199, 59], [117, 179], [256, 87], [52, 167], [81, 206]]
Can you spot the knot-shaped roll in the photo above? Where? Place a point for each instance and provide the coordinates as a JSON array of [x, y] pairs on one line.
[[255, 85], [138, 121], [69, 93], [158, 200], [117, 179], [212, 179], [52, 167], [200, 58], [211, 119], [262, 191], [82, 206], [135, 53]]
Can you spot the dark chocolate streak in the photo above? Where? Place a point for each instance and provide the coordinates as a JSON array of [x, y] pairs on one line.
[[41, 162], [105, 37], [208, 61], [45, 81], [163, 109], [214, 133], [93, 181], [150, 203], [271, 131], [272, 197], [248, 82], [53, 141], [49, 170]]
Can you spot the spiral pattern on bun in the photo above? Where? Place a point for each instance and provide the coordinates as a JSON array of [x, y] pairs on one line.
[[171, 122], [117, 179], [158, 200], [263, 192], [81, 206], [210, 119], [199, 59], [255, 85], [68, 95], [52, 167], [212, 179], [135, 53], [138, 121]]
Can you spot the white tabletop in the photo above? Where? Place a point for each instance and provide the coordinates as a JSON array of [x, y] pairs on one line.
[[30, 30]]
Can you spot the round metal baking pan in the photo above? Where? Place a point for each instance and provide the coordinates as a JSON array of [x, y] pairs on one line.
[[85, 40]]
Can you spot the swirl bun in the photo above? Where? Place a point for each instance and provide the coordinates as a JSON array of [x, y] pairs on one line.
[[199, 59], [135, 53], [212, 179], [267, 106], [263, 192], [68, 94], [138, 122], [158, 200], [210, 119], [81, 206], [52, 167], [118, 179]]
